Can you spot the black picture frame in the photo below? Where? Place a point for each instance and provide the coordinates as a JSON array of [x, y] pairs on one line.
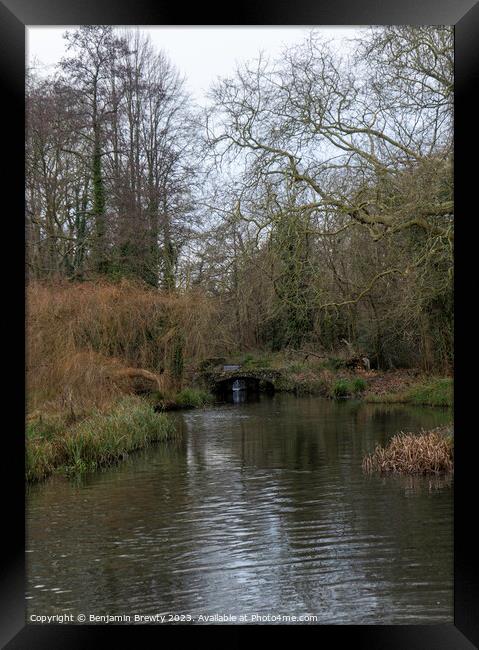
[[15, 15]]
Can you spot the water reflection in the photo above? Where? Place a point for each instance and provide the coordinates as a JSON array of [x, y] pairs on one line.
[[258, 509], [239, 395]]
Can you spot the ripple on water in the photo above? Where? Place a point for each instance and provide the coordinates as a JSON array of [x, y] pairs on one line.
[[260, 508]]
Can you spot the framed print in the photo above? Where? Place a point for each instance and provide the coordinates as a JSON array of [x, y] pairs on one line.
[[245, 321]]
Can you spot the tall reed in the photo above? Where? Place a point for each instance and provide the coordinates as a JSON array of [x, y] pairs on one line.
[[430, 452]]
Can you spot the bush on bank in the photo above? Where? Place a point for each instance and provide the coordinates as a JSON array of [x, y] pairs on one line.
[[96, 441], [348, 388], [193, 398]]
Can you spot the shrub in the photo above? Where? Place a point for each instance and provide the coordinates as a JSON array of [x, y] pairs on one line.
[[309, 382], [193, 397], [358, 385], [341, 388], [346, 388], [310, 387], [298, 367], [41, 458], [46, 427], [207, 364]]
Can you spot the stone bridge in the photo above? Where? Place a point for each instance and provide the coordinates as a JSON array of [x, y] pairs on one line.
[[259, 379]]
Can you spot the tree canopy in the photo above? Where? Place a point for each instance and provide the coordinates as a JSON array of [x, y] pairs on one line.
[[312, 197]]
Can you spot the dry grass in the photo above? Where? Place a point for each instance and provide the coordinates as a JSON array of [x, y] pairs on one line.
[[86, 341], [430, 452]]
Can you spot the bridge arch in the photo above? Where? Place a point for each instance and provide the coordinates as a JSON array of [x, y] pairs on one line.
[[223, 386], [256, 380]]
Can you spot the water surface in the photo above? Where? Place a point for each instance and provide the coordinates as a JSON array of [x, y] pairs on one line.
[[261, 509]]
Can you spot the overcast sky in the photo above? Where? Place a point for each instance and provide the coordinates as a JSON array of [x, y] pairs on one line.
[[201, 53]]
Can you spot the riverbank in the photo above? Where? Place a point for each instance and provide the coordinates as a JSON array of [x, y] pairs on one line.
[[184, 399], [65, 444], [404, 388], [330, 377], [393, 387], [108, 358], [68, 443]]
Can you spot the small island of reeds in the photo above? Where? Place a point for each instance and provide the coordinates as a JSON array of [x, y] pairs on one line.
[[429, 452]]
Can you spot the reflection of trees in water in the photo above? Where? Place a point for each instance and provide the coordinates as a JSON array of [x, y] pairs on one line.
[[257, 507], [311, 565], [408, 416], [366, 523]]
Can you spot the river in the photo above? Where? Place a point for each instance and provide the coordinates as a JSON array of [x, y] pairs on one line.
[[261, 509]]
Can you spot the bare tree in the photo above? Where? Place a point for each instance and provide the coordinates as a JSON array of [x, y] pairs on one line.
[[366, 146]]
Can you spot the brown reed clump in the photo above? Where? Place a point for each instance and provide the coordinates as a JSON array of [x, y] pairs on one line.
[[430, 452], [87, 342]]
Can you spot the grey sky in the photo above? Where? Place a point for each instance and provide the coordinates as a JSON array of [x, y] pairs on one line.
[[201, 53]]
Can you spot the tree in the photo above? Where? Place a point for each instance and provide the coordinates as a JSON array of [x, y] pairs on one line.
[[58, 179], [360, 158], [94, 52]]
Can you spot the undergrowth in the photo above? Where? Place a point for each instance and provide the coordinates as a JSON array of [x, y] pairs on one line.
[[95, 441]]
